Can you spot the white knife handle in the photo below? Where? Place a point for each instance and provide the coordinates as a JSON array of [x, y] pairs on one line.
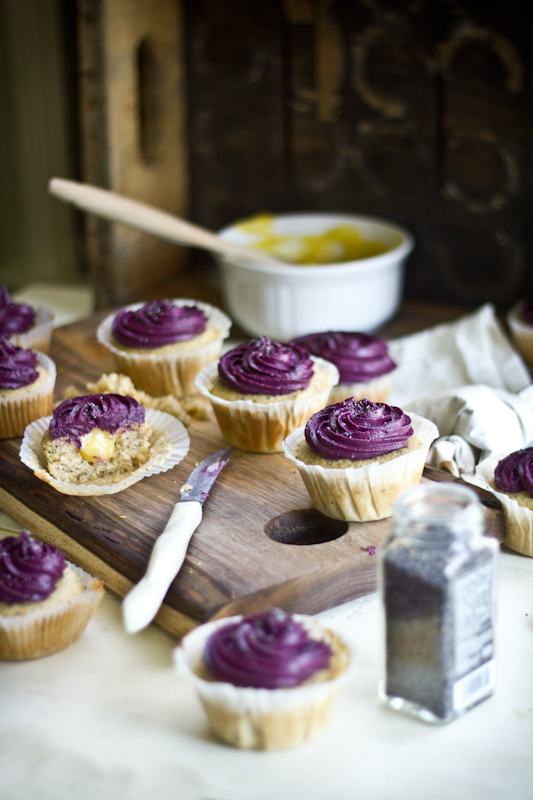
[[142, 603]]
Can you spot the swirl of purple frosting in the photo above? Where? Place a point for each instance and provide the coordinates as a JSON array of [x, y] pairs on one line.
[[358, 356], [514, 473], [357, 429], [265, 367], [73, 418], [270, 650], [158, 323], [14, 317], [29, 570], [17, 366], [527, 310]]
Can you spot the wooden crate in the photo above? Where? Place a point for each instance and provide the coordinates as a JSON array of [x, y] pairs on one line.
[[418, 112]]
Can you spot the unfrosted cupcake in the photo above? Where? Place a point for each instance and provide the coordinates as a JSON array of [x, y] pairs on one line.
[[267, 681], [162, 345], [365, 366], [27, 381], [26, 326], [45, 602], [356, 457], [102, 443], [520, 320], [262, 390], [511, 480]]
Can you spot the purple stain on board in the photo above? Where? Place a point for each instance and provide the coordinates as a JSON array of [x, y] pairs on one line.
[[370, 549]]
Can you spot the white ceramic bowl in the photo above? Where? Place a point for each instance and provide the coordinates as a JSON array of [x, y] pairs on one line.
[[290, 300]]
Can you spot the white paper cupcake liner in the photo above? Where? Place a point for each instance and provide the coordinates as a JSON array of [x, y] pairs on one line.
[[262, 427], [40, 336], [376, 390], [173, 373], [518, 519], [165, 429], [261, 719], [521, 331], [45, 631], [18, 411], [362, 494]]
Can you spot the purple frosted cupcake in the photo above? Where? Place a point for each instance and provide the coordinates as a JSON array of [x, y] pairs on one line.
[[365, 366], [26, 326], [96, 437], [27, 381], [163, 344], [267, 681], [45, 602], [356, 457], [511, 480], [262, 390]]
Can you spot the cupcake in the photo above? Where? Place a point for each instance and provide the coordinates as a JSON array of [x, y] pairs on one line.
[[511, 480], [520, 321], [27, 381], [102, 443], [45, 602], [356, 457], [267, 681], [365, 366], [263, 390], [26, 326], [162, 345]]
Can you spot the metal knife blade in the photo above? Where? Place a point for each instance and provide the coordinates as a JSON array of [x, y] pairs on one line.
[[142, 603], [204, 475]]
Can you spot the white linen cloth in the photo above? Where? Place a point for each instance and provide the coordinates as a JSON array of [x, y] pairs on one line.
[[466, 377]]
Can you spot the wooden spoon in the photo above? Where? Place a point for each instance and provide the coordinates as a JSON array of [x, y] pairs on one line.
[[146, 218]]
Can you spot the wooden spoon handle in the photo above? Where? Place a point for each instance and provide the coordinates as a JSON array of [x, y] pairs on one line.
[[146, 218]]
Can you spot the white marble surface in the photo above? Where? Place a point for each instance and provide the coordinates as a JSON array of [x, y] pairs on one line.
[[109, 718]]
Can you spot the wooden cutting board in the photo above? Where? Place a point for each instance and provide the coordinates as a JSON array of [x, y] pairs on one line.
[[260, 542]]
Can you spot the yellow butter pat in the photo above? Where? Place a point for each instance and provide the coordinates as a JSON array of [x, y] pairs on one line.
[[98, 444]]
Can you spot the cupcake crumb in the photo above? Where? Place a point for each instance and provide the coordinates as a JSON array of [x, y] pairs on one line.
[[115, 383]]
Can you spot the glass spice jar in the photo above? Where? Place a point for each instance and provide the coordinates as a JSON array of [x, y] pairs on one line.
[[437, 586]]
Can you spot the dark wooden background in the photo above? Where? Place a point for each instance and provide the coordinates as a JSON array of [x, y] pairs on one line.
[[415, 110]]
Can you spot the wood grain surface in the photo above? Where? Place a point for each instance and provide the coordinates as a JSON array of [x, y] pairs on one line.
[[232, 565]]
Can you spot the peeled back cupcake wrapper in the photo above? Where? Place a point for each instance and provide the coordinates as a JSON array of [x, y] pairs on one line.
[[368, 492], [262, 427], [166, 429], [260, 719], [518, 519], [18, 411], [173, 373], [50, 630]]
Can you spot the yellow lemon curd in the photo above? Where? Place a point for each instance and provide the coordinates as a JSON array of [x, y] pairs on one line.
[[98, 444], [338, 244]]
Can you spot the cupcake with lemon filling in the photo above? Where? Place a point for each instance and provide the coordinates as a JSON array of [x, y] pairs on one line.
[[45, 602], [26, 326], [267, 681], [163, 344], [27, 381], [356, 457], [365, 366], [96, 437], [262, 390]]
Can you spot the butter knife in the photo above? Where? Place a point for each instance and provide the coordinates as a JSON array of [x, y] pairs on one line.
[[142, 603]]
